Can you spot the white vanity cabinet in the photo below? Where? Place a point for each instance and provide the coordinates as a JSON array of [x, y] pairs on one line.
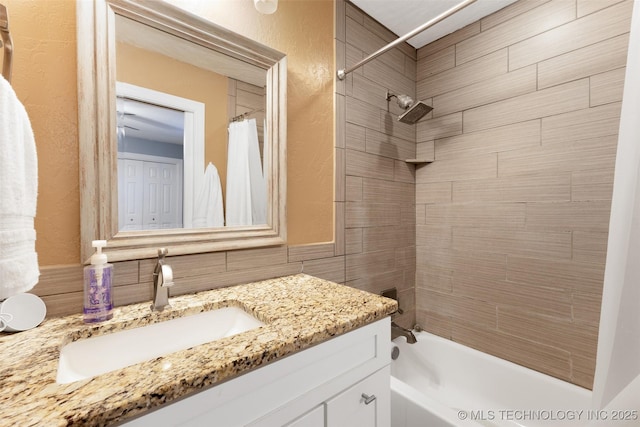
[[342, 382]]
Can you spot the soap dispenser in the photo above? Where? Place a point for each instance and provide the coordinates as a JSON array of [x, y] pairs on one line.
[[98, 303]]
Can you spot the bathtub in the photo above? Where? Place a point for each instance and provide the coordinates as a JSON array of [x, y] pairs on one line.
[[439, 383]]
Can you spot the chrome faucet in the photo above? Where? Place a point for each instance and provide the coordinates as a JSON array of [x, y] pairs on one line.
[[162, 281], [397, 331]]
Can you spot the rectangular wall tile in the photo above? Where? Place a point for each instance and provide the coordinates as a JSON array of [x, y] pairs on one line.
[[378, 190], [597, 153], [610, 22], [353, 240], [488, 66], [592, 185], [340, 168], [355, 137], [436, 192], [369, 264], [586, 7], [252, 258], [494, 89], [362, 114], [371, 214], [339, 227], [590, 216], [471, 167], [433, 236], [391, 126], [590, 247], [607, 87], [326, 268], [368, 91], [481, 215], [504, 138], [547, 102], [526, 188], [368, 165], [310, 252], [425, 151], [597, 58], [567, 274], [385, 238], [559, 333], [186, 266], [581, 124], [521, 27], [529, 353], [449, 40], [509, 12], [390, 146], [481, 264], [433, 64], [539, 299], [443, 126], [550, 245], [459, 307], [404, 172], [235, 277], [354, 188], [586, 308], [59, 279]]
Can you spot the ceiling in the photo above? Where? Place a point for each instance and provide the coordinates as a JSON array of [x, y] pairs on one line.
[[403, 16], [152, 122]]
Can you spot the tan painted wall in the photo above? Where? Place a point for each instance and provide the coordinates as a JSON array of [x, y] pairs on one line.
[[513, 214], [45, 80]]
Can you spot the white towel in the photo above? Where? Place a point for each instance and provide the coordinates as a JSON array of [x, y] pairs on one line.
[[208, 210], [19, 270]]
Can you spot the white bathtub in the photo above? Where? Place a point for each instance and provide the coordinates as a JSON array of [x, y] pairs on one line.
[[439, 383]]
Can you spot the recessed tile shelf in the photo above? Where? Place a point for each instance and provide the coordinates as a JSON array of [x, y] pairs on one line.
[[418, 161]]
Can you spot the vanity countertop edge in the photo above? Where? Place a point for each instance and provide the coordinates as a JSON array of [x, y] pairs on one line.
[[299, 311]]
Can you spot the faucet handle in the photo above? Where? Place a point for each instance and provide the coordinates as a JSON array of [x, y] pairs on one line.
[[167, 276], [162, 252]]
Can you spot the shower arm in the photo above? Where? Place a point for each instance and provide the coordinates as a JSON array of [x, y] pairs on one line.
[[342, 73]]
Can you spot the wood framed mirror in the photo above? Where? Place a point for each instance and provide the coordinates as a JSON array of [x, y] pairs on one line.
[[161, 28]]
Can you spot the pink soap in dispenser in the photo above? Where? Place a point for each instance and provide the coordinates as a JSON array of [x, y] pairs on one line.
[[98, 303]]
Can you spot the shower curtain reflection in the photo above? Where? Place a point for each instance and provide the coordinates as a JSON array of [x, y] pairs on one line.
[[246, 195]]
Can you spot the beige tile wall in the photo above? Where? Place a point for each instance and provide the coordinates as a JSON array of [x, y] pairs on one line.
[[512, 216], [379, 186]]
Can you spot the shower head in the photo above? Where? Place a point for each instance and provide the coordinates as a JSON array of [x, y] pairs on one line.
[[414, 111]]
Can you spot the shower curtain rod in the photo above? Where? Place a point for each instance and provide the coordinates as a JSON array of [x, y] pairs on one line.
[[343, 72]]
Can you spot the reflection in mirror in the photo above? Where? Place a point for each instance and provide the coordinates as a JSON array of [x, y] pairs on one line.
[[150, 190], [190, 123]]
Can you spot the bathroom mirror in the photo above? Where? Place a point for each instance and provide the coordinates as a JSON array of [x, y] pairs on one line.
[[159, 27]]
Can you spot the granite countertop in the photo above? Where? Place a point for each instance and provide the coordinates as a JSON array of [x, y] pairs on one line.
[[298, 311]]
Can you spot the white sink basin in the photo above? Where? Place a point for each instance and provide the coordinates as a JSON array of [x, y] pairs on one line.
[[89, 357]]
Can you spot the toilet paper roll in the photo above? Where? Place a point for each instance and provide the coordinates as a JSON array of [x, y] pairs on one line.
[[21, 312]]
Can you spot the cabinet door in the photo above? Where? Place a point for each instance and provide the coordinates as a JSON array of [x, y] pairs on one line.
[[313, 418], [365, 404]]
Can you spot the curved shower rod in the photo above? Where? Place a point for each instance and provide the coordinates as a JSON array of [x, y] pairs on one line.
[[343, 72]]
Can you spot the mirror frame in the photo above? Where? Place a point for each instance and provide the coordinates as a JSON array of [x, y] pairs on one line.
[[98, 139]]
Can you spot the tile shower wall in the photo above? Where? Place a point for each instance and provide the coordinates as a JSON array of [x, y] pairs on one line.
[[375, 191], [512, 215]]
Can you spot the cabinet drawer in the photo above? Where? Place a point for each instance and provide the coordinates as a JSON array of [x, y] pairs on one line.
[[365, 404]]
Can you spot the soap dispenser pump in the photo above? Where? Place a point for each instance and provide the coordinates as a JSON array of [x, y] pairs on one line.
[[98, 302]]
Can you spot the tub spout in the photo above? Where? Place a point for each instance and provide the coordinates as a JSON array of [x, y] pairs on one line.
[[397, 330]]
